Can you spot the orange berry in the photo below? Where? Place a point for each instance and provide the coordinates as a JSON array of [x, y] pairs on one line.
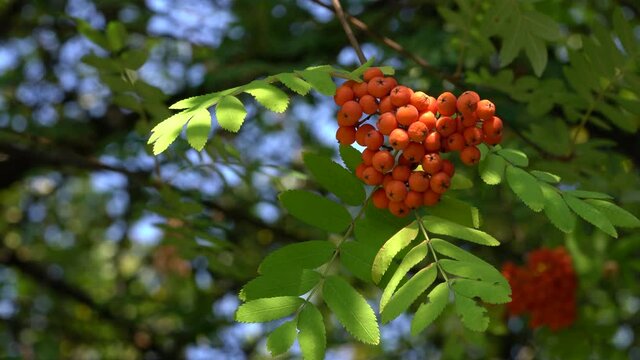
[[414, 152], [343, 94], [417, 131], [472, 136], [360, 169], [372, 72], [432, 142], [433, 104], [349, 114], [385, 105], [431, 163], [401, 173], [448, 168], [447, 104], [440, 182], [429, 119], [396, 190], [383, 161], [387, 177], [346, 135], [455, 142], [368, 104], [374, 140], [485, 110], [371, 176], [379, 87], [387, 123], [467, 102], [407, 115], [360, 89], [399, 208], [401, 95], [379, 199], [430, 198], [470, 155], [413, 200], [349, 83], [419, 181], [492, 127], [420, 100], [361, 134], [367, 156], [392, 82], [399, 139], [469, 120], [446, 126], [492, 140]]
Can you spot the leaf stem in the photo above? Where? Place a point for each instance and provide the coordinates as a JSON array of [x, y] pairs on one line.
[[435, 256], [346, 235]]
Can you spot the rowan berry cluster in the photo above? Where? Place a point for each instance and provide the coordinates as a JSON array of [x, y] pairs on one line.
[[405, 147], [545, 288]]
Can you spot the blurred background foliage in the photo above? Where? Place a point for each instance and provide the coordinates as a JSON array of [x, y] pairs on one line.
[[109, 253]]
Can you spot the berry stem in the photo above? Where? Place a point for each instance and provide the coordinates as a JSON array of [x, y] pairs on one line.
[[346, 235], [435, 256]]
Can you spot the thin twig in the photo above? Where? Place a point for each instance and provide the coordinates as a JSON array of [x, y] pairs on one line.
[[347, 30], [393, 45]]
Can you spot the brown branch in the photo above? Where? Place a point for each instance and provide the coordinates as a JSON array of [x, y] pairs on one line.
[[393, 45], [337, 8], [39, 274]]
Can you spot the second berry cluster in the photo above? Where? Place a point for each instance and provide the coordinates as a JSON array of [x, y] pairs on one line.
[[406, 146]]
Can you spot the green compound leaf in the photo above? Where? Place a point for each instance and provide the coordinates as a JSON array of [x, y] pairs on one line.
[[292, 282], [491, 169], [473, 316], [409, 292], [320, 80], [116, 35], [230, 113], [293, 82], [457, 211], [316, 210], [335, 178], [390, 248], [460, 182], [590, 214], [617, 215], [263, 310], [429, 311], [268, 95], [515, 157], [475, 270], [358, 257], [350, 157], [351, 309], [582, 194], [205, 101], [168, 130], [304, 255], [198, 129], [546, 176], [557, 210], [440, 226], [486, 291], [282, 338], [312, 336], [413, 257], [526, 187]]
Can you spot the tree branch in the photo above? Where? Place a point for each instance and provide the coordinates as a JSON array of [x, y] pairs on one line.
[[347, 30]]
